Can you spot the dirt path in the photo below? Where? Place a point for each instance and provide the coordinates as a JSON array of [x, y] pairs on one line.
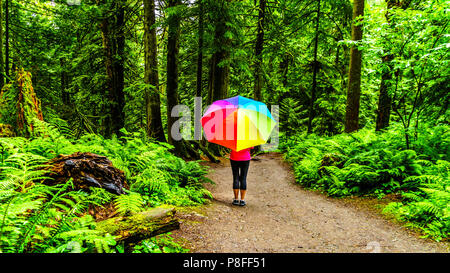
[[282, 217]]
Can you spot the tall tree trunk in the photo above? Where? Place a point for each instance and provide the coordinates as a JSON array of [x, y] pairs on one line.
[[64, 82], [154, 125], [199, 89], [220, 66], [119, 67], [316, 67], [384, 99], [354, 78], [211, 73], [2, 78], [284, 66], [221, 75], [7, 39], [113, 37], [258, 51], [200, 48], [173, 46]]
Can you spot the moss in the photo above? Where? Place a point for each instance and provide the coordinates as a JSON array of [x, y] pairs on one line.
[[6, 130], [143, 223], [19, 105]]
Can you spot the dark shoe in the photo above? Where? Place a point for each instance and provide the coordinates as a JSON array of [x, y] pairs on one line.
[[242, 203], [236, 202]]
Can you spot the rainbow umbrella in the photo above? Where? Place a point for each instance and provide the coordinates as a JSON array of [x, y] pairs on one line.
[[238, 123]]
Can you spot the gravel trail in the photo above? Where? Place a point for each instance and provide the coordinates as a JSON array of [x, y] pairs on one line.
[[280, 216]]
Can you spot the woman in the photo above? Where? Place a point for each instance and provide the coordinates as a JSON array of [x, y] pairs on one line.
[[240, 162]]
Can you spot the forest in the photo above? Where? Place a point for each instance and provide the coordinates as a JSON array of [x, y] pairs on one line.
[[88, 88]]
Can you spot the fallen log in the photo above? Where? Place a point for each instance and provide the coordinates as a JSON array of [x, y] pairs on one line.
[[86, 170], [140, 226]]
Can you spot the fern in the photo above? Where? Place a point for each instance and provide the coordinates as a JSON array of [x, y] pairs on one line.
[[128, 203], [39, 218], [441, 195], [22, 170], [82, 237], [428, 207], [377, 164]]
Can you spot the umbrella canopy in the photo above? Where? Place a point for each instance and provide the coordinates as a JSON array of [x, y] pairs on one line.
[[238, 123]]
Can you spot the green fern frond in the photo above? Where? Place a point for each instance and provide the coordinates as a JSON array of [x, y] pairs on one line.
[[428, 207], [128, 203]]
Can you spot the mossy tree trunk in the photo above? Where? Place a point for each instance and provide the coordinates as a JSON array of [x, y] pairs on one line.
[[19, 105]]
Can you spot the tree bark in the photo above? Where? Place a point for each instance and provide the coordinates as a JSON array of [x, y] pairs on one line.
[[64, 82], [384, 99], [112, 28], [316, 68], [258, 51], [7, 39], [354, 78], [2, 78], [173, 44], [200, 48], [219, 71], [140, 226], [284, 67], [221, 75], [154, 125], [220, 66], [119, 61]]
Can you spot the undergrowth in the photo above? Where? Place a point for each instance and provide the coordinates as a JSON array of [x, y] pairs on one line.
[[378, 164], [40, 218]]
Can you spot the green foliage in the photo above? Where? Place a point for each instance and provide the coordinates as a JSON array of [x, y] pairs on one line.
[[39, 218], [160, 244], [290, 116], [377, 164], [44, 219], [62, 45], [82, 237], [428, 206], [416, 39]]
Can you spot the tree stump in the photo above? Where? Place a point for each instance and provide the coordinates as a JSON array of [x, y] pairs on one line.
[[86, 170]]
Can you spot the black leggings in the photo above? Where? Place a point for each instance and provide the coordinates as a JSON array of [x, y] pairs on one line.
[[240, 169]]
